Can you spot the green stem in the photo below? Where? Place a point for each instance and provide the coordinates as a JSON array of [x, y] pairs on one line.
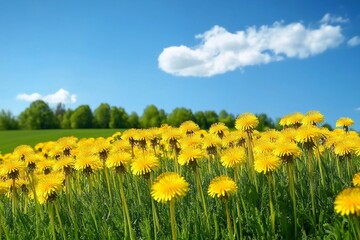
[[106, 170], [172, 219], [292, 192], [154, 213], [59, 219], [14, 197], [200, 191], [127, 215], [272, 212], [228, 219], [311, 183], [52, 222]]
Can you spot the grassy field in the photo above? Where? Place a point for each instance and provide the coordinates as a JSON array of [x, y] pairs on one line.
[[11, 139]]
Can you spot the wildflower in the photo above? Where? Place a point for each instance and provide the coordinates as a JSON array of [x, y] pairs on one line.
[[222, 187], [11, 168], [220, 129], [285, 150], [348, 202], [356, 180], [189, 156], [20, 152], [233, 157], [64, 164], [167, 186], [210, 143], [119, 160], [313, 118], [266, 163], [308, 136], [189, 127], [87, 161], [48, 187], [246, 122], [344, 148], [293, 119], [143, 164], [344, 122]]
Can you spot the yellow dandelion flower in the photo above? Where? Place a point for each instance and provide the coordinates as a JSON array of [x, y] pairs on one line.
[[233, 157], [234, 138], [293, 119], [348, 202], [119, 160], [87, 161], [356, 179], [121, 145], [246, 122], [190, 156], [307, 135], [220, 129], [263, 146], [344, 122], [145, 163], [287, 151], [191, 141], [20, 152], [312, 118], [210, 143], [48, 187], [11, 168], [168, 186], [270, 135], [64, 164], [222, 187], [288, 134], [189, 127], [45, 165], [66, 144], [345, 147], [266, 163]]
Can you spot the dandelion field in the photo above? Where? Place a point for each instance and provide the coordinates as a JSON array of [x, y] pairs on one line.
[[187, 183]]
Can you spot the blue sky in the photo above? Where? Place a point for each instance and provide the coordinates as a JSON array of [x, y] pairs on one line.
[[273, 57]]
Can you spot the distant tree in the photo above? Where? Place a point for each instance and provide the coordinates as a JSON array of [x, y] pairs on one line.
[[150, 117], [211, 117], [66, 119], [38, 116], [162, 116], [82, 117], [133, 120], [118, 118], [7, 121], [227, 119], [59, 112], [178, 116], [102, 116], [265, 122], [200, 119]]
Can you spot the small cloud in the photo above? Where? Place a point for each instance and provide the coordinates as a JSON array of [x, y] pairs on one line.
[[328, 18], [221, 51], [357, 109], [354, 41], [28, 97], [61, 96]]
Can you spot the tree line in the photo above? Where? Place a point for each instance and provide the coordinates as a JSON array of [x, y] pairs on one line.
[[40, 116]]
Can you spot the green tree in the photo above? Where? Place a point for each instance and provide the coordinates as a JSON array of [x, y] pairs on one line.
[[162, 116], [133, 120], [118, 118], [211, 118], [102, 116], [227, 119], [7, 121], [179, 115], [200, 119], [38, 116], [66, 119], [265, 122], [82, 117], [150, 117]]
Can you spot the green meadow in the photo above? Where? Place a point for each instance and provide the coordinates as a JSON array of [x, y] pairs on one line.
[[13, 138]]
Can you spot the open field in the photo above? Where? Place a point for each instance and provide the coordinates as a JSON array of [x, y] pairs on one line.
[[185, 183], [10, 139]]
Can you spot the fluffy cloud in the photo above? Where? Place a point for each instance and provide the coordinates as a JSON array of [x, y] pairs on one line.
[[221, 51], [328, 18], [354, 41], [61, 96]]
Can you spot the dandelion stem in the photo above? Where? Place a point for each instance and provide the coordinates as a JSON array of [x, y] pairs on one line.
[[272, 212], [289, 167], [126, 214], [59, 219], [228, 218], [172, 218], [52, 222]]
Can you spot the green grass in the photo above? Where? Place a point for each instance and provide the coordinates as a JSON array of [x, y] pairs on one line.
[[11, 139]]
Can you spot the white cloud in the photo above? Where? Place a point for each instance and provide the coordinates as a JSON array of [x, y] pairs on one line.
[[61, 96], [328, 18], [357, 109], [354, 41], [221, 51]]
